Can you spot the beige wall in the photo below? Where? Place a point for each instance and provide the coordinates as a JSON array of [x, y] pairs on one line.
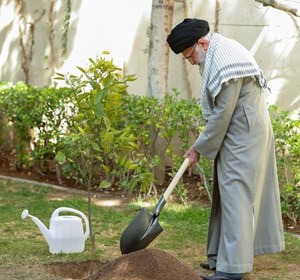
[[121, 26]]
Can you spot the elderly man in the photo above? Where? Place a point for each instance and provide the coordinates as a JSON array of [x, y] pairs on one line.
[[245, 216]]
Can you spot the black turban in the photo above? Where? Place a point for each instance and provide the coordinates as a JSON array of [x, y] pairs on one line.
[[186, 34]]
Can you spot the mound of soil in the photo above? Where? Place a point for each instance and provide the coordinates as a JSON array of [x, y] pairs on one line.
[[146, 264]]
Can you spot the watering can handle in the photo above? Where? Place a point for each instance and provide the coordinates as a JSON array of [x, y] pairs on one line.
[[176, 179], [68, 209]]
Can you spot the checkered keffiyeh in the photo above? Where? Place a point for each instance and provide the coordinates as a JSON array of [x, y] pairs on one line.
[[226, 59]]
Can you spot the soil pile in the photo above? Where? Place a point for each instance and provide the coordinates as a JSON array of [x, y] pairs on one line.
[[146, 264]]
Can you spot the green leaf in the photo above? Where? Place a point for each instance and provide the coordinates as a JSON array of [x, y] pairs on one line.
[[61, 157], [59, 74], [132, 166], [81, 130], [81, 69], [59, 78], [99, 110], [104, 185], [96, 147], [105, 168], [107, 122], [82, 96]]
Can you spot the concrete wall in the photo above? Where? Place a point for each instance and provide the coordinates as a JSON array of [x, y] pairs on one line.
[[120, 27]]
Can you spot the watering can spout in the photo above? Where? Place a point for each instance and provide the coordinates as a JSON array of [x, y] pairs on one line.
[[45, 231]]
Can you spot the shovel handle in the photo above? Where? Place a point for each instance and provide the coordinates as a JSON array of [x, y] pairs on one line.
[[176, 179]]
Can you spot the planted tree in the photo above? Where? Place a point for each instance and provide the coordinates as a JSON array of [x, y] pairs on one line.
[[95, 149]]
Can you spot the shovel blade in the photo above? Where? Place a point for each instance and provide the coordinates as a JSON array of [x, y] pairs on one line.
[[140, 232]]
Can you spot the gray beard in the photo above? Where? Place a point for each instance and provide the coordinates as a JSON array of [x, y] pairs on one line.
[[201, 68]]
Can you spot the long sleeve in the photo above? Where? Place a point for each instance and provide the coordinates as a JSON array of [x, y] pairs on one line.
[[210, 140]]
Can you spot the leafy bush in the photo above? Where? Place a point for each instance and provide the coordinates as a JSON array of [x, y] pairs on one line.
[[37, 116], [103, 136], [287, 136], [172, 119]]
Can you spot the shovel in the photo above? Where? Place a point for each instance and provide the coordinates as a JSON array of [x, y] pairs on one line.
[[145, 226]]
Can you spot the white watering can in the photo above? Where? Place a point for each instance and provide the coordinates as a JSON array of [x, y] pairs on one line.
[[65, 233]]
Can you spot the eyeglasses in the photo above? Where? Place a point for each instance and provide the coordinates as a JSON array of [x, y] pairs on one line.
[[191, 54]]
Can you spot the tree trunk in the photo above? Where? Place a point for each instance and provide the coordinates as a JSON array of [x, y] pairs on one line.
[[158, 60], [161, 23], [217, 15]]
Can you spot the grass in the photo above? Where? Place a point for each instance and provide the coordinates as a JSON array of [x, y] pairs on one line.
[[184, 236]]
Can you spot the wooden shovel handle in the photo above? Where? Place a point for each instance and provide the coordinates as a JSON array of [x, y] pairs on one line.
[[176, 179]]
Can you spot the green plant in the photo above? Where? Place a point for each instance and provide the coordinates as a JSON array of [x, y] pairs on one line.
[[19, 105], [170, 121], [36, 116], [103, 136], [287, 136], [98, 93], [96, 148]]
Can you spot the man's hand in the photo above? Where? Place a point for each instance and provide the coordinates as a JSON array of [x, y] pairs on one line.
[[193, 156]]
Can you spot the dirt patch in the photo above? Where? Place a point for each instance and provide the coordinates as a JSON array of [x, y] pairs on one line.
[[194, 193], [146, 264], [74, 270]]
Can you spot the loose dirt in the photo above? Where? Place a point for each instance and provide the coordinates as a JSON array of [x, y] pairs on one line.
[[73, 270], [146, 264]]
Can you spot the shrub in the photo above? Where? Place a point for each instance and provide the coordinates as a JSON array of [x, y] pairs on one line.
[[36, 115], [287, 136], [103, 136]]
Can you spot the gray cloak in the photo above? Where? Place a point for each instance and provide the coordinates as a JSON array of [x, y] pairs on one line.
[[245, 216]]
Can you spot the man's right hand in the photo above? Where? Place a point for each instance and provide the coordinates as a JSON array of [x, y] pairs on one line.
[[193, 156]]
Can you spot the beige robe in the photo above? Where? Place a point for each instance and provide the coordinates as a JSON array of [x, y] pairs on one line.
[[246, 216]]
